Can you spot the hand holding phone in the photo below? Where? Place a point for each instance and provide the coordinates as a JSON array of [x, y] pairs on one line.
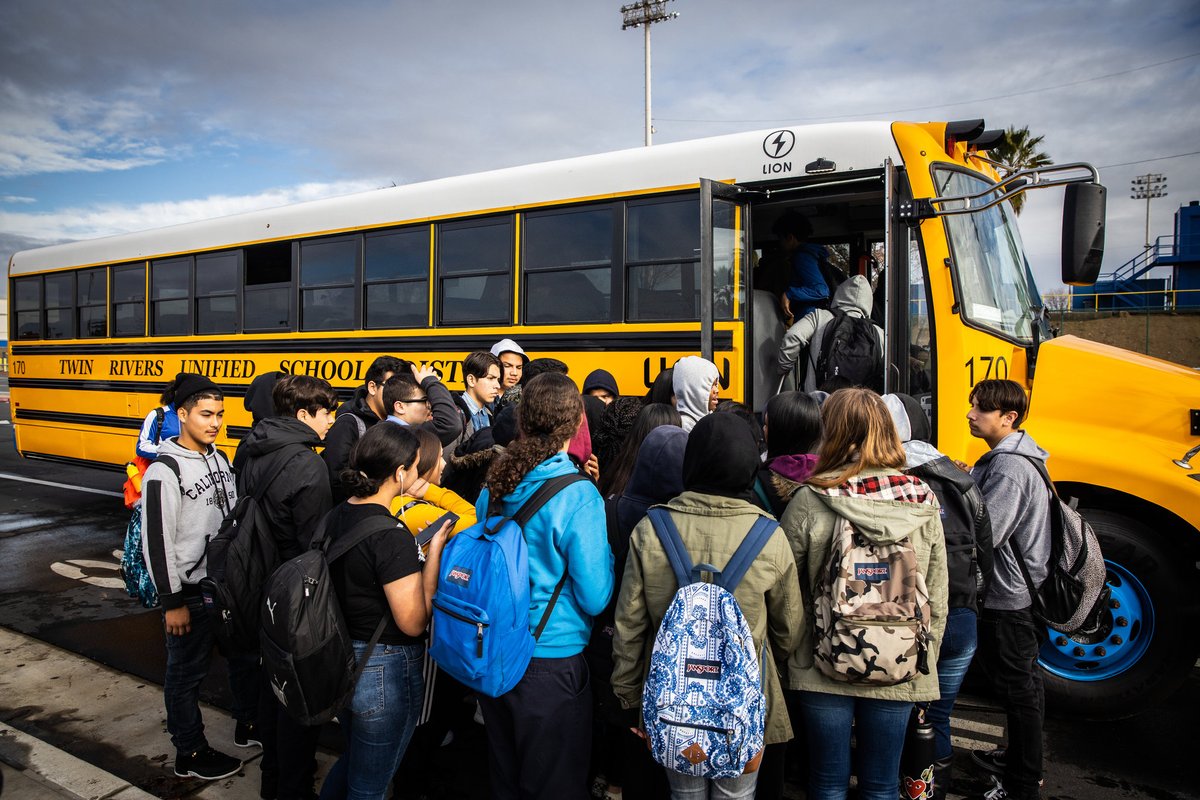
[[425, 535]]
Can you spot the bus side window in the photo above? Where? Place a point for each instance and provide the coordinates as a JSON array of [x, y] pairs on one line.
[[129, 300], [170, 296], [91, 303], [267, 287], [328, 272], [663, 259], [475, 271], [27, 308], [567, 265], [396, 278]]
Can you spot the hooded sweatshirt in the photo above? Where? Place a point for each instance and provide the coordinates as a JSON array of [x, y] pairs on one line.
[[565, 535], [1019, 505], [885, 506], [692, 380], [277, 462], [179, 514], [806, 337], [916, 452]]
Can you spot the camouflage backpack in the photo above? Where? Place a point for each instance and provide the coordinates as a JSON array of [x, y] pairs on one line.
[[871, 611]]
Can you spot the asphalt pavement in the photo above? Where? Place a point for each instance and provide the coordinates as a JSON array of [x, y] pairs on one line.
[[81, 667]]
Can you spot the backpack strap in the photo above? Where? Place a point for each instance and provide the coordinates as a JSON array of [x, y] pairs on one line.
[[668, 535], [156, 430], [753, 543], [525, 513], [1056, 528]]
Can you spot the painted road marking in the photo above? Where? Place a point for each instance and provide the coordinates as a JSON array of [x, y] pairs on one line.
[[8, 477], [74, 569]]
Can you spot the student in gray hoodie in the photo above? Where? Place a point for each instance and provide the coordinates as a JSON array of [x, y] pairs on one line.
[[1009, 636], [696, 383], [803, 341], [185, 495]]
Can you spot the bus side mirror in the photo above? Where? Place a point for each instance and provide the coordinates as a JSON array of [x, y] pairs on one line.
[[1083, 233]]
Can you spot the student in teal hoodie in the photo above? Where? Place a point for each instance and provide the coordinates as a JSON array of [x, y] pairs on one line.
[[539, 733]]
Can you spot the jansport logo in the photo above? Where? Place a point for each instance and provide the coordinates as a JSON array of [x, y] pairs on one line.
[[872, 573], [704, 670], [460, 576]]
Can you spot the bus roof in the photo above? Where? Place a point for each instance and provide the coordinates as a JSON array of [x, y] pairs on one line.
[[739, 157]]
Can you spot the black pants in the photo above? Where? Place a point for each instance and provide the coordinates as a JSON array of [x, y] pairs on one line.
[[289, 757], [539, 733], [1008, 649]]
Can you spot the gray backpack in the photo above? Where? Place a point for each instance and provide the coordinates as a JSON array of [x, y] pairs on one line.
[[1074, 596]]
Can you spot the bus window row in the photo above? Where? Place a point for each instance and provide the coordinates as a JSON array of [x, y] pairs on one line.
[[631, 260]]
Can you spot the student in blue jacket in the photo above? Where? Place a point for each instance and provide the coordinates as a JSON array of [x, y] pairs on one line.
[[539, 733]]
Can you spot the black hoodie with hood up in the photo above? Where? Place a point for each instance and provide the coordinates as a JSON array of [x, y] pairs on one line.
[[277, 457]]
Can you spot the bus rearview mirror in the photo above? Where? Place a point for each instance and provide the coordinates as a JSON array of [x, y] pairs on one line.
[[1083, 233]]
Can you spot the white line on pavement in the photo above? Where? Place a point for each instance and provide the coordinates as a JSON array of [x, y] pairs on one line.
[[6, 476], [977, 727]]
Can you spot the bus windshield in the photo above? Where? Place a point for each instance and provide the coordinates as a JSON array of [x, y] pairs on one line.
[[998, 293]]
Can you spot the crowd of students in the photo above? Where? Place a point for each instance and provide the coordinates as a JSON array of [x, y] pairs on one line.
[[405, 446]]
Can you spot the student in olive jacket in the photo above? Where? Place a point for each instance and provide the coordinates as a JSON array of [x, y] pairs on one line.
[[858, 477], [713, 515]]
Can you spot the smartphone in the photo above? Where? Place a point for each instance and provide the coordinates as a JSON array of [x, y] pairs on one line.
[[425, 535]]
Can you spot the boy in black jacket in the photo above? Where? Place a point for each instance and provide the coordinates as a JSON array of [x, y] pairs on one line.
[[276, 463], [355, 415]]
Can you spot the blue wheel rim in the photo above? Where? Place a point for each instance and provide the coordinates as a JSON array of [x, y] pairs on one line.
[[1123, 639]]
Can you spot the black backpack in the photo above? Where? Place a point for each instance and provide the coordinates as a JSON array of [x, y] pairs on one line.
[[307, 652], [850, 349], [241, 557], [967, 528]]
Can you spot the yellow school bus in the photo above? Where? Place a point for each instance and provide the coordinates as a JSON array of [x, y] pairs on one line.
[[628, 261]]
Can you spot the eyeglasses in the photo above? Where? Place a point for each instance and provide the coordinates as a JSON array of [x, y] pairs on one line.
[[424, 400]]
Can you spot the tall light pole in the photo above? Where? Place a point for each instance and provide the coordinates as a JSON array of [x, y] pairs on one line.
[[1146, 187], [645, 13]]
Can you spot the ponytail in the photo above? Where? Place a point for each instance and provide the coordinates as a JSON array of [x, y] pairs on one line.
[[549, 414]]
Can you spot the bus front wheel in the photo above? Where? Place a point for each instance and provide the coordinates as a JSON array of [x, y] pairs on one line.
[[1145, 648]]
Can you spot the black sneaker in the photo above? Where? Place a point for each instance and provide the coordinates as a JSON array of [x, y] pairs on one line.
[[993, 761], [246, 735], [207, 764]]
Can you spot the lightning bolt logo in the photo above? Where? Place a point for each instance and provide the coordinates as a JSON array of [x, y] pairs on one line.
[[779, 143]]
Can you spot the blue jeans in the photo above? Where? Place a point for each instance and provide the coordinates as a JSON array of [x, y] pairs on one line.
[[879, 727], [954, 657], [188, 659], [689, 787], [378, 723]]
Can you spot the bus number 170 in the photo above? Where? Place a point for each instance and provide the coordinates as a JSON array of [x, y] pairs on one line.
[[997, 367]]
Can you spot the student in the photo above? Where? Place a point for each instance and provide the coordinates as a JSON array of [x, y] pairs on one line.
[[425, 500], [1009, 636], [858, 478], [713, 515], [807, 288], [277, 461], [792, 427], [417, 397], [539, 733], [355, 416], [600, 383], [482, 379], [802, 344], [161, 423], [512, 361], [696, 382], [384, 576], [615, 472], [968, 534], [663, 388], [176, 527]]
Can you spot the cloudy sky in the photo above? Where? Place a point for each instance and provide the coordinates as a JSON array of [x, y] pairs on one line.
[[130, 114]]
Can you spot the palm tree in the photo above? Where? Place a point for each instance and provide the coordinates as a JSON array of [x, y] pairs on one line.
[[1019, 150]]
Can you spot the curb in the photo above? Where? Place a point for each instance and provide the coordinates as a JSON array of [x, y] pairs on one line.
[[61, 769]]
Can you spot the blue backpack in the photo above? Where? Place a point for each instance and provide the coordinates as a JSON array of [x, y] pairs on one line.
[[480, 630], [703, 707]]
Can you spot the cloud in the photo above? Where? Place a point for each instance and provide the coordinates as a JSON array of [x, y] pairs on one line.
[[70, 224]]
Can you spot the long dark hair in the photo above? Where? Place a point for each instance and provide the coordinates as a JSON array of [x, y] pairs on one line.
[[383, 449], [431, 450], [549, 414], [614, 477], [859, 434], [793, 424]]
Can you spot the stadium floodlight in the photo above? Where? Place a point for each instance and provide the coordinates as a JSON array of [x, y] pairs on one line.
[[645, 14], [1147, 187]]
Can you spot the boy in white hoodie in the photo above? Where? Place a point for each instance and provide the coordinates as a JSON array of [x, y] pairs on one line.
[[185, 495]]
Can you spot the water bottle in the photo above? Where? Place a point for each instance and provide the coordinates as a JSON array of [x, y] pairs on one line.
[[916, 764]]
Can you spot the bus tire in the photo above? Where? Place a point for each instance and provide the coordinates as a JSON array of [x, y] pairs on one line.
[[1140, 656]]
